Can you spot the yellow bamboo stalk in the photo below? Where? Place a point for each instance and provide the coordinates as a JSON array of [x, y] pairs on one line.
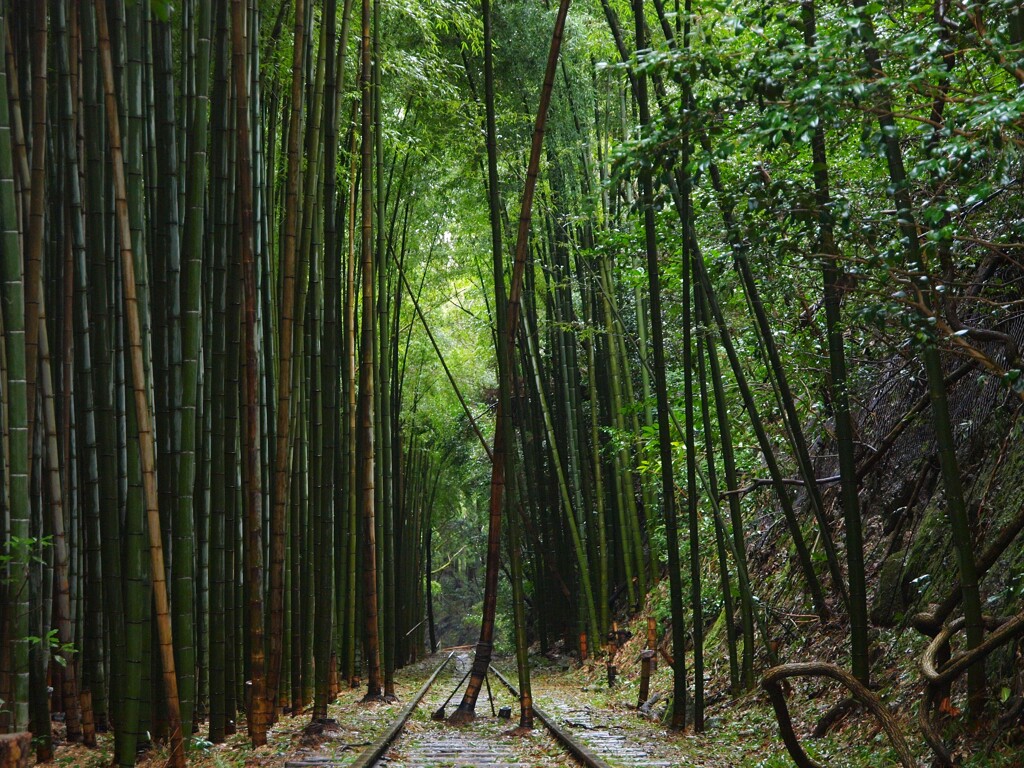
[[142, 405]]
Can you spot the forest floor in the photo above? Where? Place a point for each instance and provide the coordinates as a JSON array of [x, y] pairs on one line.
[[739, 731]]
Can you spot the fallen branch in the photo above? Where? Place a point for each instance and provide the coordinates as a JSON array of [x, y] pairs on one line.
[[771, 682], [840, 710]]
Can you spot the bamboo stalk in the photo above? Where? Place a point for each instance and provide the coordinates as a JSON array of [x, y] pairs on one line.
[[142, 406]]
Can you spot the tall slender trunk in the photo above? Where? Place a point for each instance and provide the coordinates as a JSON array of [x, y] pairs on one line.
[[194, 188], [803, 554], [384, 417], [956, 508], [732, 485], [569, 509], [286, 334], [37, 206], [221, 473], [142, 406], [713, 492], [481, 661], [14, 643], [262, 699], [661, 395], [183, 379], [324, 606], [94, 674], [61, 555], [365, 449], [831, 269]]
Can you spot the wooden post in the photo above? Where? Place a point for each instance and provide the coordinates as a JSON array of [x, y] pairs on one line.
[[15, 750], [611, 649], [646, 657], [652, 642], [583, 647]]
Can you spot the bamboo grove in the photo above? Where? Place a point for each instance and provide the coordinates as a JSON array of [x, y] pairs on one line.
[[285, 282]]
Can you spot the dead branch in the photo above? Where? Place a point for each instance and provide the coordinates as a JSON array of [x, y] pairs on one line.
[[763, 481]]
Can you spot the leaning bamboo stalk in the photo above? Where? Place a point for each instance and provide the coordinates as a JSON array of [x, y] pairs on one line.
[[632, 561], [142, 406], [739, 546], [482, 660], [563, 486], [712, 487]]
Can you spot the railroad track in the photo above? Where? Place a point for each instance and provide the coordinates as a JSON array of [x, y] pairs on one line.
[[414, 740]]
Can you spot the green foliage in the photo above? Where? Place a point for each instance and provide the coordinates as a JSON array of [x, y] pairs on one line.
[[162, 9], [22, 551], [60, 651]]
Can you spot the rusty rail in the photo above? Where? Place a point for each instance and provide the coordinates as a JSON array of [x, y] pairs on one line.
[[379, 747], [376, 751], [577, 750]]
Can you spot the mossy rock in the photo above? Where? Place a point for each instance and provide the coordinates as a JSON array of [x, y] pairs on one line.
[[890, 596], [994, 496], [929, 570]]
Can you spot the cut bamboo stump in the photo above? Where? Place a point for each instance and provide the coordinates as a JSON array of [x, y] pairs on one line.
[[15, 750]]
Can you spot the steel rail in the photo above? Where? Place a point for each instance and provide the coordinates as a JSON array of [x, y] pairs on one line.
[[375, 752], [580, 752]]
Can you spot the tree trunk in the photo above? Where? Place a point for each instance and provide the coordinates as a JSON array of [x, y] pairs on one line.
[[142, 407], [467, 706]]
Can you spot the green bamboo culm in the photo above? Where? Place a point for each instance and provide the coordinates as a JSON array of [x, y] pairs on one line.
[[184, 339], [288, 317], [831, 270], [94, 639], [679, 699], [739, 545], [214, 270], [188, 493], [16, 608], [142, 410]]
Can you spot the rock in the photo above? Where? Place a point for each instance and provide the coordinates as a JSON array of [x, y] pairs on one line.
[[889, 599]]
